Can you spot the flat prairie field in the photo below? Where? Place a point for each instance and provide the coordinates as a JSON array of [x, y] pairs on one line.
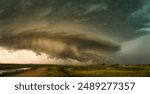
[[32, 70]]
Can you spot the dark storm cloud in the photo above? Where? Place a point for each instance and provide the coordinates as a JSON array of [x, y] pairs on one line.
[[142, 16], [60, 44], [22, 27], [137, 51], [112, 17]]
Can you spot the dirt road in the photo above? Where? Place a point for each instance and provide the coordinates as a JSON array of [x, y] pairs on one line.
[[39, 72]]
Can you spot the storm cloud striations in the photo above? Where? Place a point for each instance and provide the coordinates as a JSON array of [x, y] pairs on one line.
[[59, 42], [82, 30]]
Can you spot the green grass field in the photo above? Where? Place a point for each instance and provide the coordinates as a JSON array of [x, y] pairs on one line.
[[75, 71]]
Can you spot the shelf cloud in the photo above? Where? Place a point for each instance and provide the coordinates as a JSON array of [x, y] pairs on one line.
[[84, 30], [57, 41]]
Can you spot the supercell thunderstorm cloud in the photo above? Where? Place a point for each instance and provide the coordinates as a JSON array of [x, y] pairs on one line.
[[75, 31]]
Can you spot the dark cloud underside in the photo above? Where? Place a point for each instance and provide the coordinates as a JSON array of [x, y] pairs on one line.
[[67, 28], [57, 44]]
